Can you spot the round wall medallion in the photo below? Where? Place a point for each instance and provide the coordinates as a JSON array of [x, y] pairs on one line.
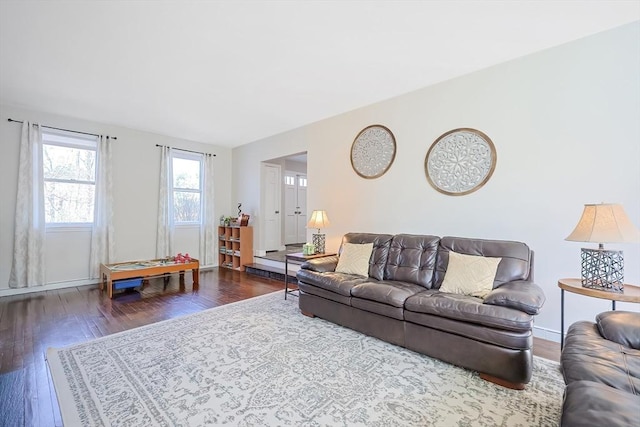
[[373, 151], [460, 161]]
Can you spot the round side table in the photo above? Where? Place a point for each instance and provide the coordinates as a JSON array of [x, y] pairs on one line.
[[631, 294]]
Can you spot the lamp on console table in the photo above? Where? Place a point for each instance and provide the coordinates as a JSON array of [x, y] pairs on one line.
[[604, 223], [319, 219]]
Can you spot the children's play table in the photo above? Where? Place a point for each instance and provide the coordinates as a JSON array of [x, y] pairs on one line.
[[145, 269]]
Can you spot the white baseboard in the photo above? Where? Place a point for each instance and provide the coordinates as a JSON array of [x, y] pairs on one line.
[[546, 334], [271, 263], [48, 287], [61, 285]]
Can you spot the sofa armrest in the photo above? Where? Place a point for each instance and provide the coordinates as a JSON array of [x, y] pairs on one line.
[[321, 265], [521, 295]]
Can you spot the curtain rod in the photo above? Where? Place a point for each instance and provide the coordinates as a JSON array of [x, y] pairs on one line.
[[66, 130], [188, 151]]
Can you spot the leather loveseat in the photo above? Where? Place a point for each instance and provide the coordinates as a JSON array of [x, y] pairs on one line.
[[400, 302], [601, 367]]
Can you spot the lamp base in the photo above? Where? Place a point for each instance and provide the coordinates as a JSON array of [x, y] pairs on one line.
[[602, 270], [318, 241]]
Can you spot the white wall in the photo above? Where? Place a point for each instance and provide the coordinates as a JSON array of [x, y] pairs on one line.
[[136, 170], [566, 126]]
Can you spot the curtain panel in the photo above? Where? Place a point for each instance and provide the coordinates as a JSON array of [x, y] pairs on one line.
[[102, 232], [27, 266], [164, 236], [208, 225]]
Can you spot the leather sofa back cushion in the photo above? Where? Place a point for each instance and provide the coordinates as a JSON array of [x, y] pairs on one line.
[[515, 264], [380, 254], [354, 259], [622, 327], [412, 259]]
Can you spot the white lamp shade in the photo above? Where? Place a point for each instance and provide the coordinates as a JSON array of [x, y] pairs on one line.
[[319, 219], [605, 223]]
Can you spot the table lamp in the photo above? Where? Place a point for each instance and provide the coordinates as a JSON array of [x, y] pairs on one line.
[[319, 219], [604, 223]]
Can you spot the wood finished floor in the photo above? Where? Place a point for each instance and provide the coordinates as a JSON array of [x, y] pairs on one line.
[[31, 323]]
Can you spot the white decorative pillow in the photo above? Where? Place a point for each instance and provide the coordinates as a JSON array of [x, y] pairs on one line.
[[354, 259], [469, 274]]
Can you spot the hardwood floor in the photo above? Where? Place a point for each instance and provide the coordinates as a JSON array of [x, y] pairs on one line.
[[31, 323]]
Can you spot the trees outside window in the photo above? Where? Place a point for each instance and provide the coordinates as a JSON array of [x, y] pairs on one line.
[[69, 172], [187, 188]]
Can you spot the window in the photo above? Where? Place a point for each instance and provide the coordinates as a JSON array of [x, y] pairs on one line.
[[187, 188], [69, 172], [302, 181], [289, 180]]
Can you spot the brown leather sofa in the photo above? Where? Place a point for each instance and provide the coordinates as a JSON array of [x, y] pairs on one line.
[[400, 302], [601, 367]]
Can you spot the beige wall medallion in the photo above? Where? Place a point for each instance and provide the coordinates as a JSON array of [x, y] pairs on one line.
[[373, 151], [460, 161]]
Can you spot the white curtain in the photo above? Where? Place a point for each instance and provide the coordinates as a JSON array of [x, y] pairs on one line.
[[208, 225], [164, 237], [102, 231], [27, 267]]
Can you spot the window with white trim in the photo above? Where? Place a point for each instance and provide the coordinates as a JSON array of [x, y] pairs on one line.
[[69, 174], [187, 188]]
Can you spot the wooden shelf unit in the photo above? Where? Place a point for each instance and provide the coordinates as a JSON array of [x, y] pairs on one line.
[[235, 246]]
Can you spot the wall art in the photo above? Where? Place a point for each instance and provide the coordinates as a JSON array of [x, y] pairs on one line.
[[460, 161], [373, 151]]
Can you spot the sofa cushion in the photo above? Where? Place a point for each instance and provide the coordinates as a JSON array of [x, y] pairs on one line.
[[517, 340], [386, 292], [588, 356], [468, 309], [469, 274], [622, 327], [412, 258], [339, 283], [592, 404], [382, 309], [381, 244], [515, 264], [354, 259]]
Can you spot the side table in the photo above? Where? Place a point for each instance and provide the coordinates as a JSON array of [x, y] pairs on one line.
[[631, 294], [299, 257]]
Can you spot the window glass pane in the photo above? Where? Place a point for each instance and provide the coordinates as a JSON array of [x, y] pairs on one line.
[[68, 202], [68, 163], [186, 206], [186, 173]]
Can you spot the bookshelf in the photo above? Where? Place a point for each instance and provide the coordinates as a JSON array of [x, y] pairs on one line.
[[235, 247]]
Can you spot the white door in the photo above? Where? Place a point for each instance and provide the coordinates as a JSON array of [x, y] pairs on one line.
[[290, 209], [295, 202], [302, 208], [271, 210]]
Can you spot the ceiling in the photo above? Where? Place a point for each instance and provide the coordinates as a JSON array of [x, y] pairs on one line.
[[232, 72]]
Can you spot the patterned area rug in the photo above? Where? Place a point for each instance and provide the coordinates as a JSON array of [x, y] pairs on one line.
[[261, 362]]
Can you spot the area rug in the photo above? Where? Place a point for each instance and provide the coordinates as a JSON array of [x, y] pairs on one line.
[[261, 362]]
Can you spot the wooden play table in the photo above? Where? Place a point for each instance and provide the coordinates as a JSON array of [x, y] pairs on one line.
[[145, 269]]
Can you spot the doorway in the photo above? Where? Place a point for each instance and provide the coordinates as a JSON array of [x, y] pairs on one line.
[[287, 195], [295, 208]]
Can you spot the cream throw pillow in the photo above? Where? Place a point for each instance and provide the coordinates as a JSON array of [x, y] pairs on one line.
[[354, 259], [469, 274]]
